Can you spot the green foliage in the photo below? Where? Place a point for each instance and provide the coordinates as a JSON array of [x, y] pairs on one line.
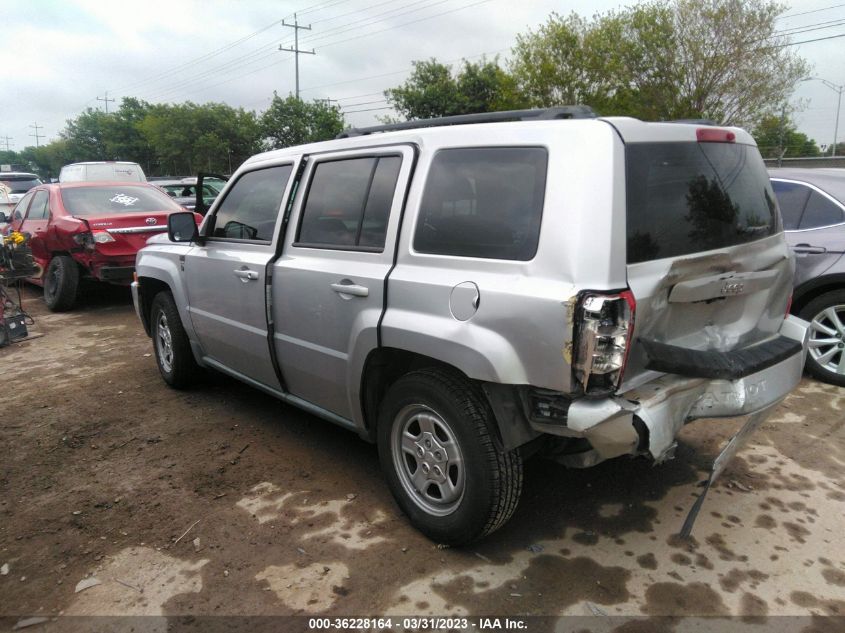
[[715, 59], [187, 138], [775, 134], [433, 90], [291, 121], [177, 139]]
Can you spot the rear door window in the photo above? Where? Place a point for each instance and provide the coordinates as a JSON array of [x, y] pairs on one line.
[[483, 202], [685, 198], [821, 211], [20, 208], [251, 208], [39, 209], [792, 198], [348, 203]]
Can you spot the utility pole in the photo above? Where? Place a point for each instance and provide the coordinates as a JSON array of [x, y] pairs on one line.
[[6, 140], [781, 130], [106, 99], [327, 101], [37, 136], [295, 50], [838, 90]]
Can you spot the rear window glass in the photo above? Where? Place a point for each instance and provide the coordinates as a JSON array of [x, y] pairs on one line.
[[19, 184], [117, 199], [689, 197], [483, 202]]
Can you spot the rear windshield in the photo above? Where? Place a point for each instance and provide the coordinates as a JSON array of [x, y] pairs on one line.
[[19, 184], [689, 197], [111, 200]]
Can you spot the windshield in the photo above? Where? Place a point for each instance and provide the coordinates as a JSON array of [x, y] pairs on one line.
[[116, 199], [689, 197], [19, 184]]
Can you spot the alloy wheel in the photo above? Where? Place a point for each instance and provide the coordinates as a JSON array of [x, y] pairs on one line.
[[164, 343], [827, 339], [428, 459]]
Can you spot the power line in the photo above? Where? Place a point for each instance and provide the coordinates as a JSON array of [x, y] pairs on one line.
[[368, 110], [214, 53], [6, 140], [204, 88], [793, 15], [429, 17], [818, 39], [295, 50], [398, 72], [269, 50]]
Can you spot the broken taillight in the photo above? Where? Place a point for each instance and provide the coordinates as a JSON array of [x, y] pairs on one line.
[[90, 239], [604, 324]]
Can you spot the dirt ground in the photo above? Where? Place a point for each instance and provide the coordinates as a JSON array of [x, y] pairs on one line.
[[222, 500]]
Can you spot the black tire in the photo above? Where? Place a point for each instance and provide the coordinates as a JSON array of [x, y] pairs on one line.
[[172, 348], [492, 479], [61, 283], [814, 311]]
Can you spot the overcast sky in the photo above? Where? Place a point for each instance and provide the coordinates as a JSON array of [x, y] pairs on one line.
[[61, 55]]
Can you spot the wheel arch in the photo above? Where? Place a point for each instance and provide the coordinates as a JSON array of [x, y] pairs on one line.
[[148, 288], [809, 290], [385, 365]]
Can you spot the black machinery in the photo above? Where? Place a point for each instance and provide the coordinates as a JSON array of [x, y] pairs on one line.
[[16, 264]]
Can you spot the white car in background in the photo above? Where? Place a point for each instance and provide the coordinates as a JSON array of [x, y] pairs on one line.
[[13, 186], [105, 170]]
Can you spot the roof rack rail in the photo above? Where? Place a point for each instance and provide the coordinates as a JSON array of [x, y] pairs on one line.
[[534, 114]]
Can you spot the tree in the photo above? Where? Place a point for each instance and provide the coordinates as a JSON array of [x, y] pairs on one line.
[[777, 134], [433, 90], [292, 121], [715, 59]]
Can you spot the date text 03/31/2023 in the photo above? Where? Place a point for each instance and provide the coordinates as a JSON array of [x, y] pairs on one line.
[[417, 624]]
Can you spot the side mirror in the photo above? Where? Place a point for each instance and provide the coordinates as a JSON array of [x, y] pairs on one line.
[[182, 227]]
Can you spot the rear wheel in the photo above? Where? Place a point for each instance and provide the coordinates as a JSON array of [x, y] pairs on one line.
[[173, 354], [436, 447], [826, 355], [61, 283]]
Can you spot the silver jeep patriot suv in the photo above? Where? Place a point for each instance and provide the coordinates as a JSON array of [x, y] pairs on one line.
[[470, 291]]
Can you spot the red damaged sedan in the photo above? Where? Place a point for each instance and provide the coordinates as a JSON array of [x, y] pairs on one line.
[[89, 230]]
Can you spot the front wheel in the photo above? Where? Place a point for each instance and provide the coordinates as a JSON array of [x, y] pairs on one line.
[[826, 354], [173, 353], [437, 451]]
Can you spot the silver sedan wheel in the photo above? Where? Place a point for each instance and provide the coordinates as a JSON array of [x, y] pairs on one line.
[[164, 343], [428, 459], [827, 339]]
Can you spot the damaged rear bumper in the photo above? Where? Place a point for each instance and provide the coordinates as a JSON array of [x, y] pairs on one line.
[[664, 405]]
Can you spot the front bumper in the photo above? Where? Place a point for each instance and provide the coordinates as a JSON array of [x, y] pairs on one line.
[[664, 405]]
